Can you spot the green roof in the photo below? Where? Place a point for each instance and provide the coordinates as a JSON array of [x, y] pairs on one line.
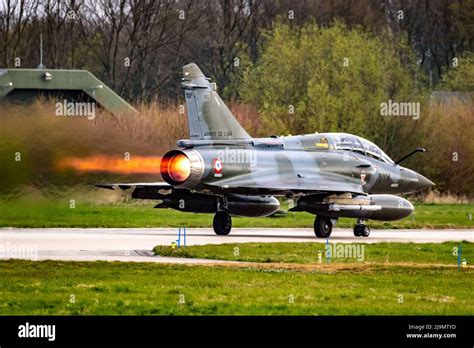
[[63, 80]]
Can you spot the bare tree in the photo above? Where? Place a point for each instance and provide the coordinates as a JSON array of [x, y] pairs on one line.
[[15, 17]]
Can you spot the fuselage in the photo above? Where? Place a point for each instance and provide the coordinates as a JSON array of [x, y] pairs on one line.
[[335, 162]]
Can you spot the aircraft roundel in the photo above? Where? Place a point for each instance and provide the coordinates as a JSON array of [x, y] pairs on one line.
[[217, 166]]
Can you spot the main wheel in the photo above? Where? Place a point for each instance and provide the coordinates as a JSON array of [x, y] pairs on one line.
[[358, 230], [322, 227], [222, 223], [365, 231]]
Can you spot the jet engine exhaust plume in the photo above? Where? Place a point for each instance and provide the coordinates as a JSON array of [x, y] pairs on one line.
[[178, 167], [113, 164]]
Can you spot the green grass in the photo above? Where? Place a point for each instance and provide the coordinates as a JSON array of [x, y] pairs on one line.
[[19, 213], [307, 253], [106, 288]]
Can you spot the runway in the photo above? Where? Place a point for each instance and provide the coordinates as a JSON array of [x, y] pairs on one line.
[[135, 244]]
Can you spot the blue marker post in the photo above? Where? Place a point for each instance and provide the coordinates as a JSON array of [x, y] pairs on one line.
[[178, 241], [179, 237], [328, 252], [459, 256], [184, 232]]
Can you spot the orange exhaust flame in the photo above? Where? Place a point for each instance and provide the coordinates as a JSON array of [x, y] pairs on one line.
[[179, 168], [113, 164]]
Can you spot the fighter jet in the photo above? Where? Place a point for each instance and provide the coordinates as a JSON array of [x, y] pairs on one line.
[[222, 170]]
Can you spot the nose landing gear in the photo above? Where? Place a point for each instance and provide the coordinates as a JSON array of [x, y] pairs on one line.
[[361, 230]]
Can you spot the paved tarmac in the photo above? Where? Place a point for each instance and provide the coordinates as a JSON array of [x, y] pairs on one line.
[[135, 244]]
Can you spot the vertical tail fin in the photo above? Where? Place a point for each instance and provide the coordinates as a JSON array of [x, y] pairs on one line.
[[208, 116]]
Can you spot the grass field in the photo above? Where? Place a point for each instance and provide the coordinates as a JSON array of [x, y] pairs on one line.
[[45, 213], [392, 279], [307, 253], [105, 288]]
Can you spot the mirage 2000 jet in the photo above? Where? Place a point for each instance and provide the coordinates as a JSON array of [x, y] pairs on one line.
[[222, 170]]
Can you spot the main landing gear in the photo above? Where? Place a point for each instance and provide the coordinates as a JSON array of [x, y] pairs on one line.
[[222, 223], [361, 230], [322, 227]]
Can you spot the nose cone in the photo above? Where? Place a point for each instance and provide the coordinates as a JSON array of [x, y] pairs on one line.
[[423, 183]]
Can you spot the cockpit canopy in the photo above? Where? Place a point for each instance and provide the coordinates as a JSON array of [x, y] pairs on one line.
[[348, 142]]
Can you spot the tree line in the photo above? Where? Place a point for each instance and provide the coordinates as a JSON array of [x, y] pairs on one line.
[[138, 46], [286, 67]]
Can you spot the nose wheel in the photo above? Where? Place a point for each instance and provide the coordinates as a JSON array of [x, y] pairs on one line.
[[222, 223], [361, 229]]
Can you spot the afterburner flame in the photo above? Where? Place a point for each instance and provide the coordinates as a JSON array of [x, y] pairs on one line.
[[179, 168], [113, 164]]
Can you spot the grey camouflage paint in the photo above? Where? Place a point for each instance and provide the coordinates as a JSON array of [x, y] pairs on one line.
[[306, 168]]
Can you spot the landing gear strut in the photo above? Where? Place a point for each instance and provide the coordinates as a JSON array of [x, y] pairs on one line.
[[361, 230], [222, 223], [322, 227]]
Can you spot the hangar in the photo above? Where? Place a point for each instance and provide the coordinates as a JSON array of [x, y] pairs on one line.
[[78, 85]]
